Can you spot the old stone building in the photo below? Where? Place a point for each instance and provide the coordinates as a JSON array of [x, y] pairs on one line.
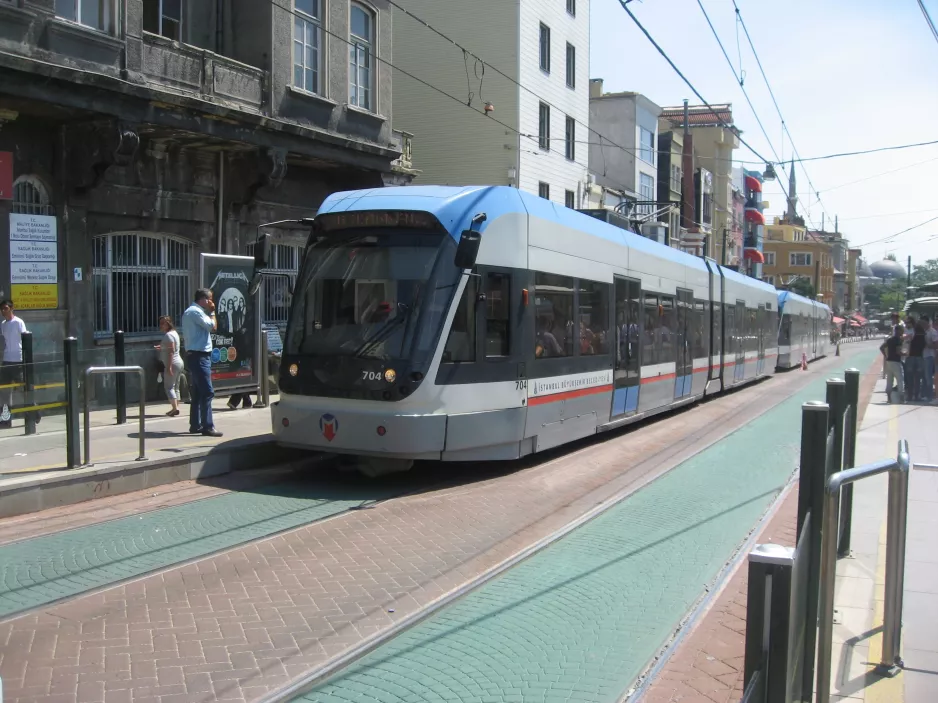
[[151, 131]]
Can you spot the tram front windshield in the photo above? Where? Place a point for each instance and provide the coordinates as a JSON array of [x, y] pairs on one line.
[[372, 294]]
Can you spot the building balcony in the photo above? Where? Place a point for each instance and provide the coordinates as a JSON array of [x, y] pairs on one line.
[[204, 73]]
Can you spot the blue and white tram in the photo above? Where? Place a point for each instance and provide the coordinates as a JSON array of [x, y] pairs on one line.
[[556, 327], [804, 330]]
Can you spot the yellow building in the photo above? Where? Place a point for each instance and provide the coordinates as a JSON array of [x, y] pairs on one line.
[[791, 253]]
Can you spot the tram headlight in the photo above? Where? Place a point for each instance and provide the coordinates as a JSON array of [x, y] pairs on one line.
[[390, 375], [294, 369]]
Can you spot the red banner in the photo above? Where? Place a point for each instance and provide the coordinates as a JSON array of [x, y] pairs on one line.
[[6, 175]]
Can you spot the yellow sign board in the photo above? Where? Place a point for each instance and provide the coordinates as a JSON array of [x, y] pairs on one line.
[[35, 296]]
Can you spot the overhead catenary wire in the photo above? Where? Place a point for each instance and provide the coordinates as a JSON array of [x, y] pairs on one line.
[[742, 22], [746, 95], [928, 20], [898, 234], [722, 122]]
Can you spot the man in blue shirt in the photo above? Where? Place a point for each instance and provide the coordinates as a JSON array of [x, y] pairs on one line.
[[198, 322]]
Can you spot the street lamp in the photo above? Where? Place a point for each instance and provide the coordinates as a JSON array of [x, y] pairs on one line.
[[769, 173]]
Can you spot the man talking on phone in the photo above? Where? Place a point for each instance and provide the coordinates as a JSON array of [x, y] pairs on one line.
[[198, 323]]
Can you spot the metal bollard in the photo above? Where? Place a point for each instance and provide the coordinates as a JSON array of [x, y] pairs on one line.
[[852, 381], [811, 490], [72, 436], [768, 625], [898, 502], [263, 371], [29, 382], [120, 383]]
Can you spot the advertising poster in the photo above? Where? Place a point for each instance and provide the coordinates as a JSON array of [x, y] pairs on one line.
[[235, 342], [34, 267]]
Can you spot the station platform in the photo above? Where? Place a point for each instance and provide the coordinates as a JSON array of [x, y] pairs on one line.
[[33, 474], [561, 577], [708, 664]]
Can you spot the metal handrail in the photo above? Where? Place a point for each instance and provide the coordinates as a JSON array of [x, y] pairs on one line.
[[898, 470], [97, 370]]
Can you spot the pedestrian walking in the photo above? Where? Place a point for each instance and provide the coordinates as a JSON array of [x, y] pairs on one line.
[[892, 353], [915, 364], [198, 322], [931, 343], [172, 362], [243, 398], [11, 367]]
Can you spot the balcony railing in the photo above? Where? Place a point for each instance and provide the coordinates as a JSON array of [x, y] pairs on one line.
[[206, 73]]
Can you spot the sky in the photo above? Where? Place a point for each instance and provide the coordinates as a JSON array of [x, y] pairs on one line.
[[847, 75]]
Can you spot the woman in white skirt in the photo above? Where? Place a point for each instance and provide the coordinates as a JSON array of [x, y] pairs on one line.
[[172, 362]]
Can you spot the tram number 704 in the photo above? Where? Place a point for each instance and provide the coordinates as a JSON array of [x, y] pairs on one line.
[[371, 376], [521, 385]]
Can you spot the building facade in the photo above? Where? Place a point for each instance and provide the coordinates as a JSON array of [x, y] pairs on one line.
[[630, 120], [670, 177], [148, 132], [538, 142], [713, 139], [791, 255]]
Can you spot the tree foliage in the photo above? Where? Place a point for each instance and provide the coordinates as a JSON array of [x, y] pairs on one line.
[[925, 273]]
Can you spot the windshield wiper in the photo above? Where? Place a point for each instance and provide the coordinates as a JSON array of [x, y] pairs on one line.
[[381, 334]]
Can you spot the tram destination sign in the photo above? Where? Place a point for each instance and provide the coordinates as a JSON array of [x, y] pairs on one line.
[[410, 219]]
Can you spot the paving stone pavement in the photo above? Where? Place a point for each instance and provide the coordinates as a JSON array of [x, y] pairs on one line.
[[580, 620], [245, 622], [44, 569], [707, 666]]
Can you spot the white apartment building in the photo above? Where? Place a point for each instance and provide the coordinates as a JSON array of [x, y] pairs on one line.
[[539, 141]]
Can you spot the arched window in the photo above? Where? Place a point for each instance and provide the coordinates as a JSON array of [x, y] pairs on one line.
[[361, 57], [137, 278], [30, 196]]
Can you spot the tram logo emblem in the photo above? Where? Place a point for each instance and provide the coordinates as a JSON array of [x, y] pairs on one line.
[[329, 426]]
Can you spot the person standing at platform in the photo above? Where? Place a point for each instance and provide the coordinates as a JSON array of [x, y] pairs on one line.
[[198, 323], [892, 353], [11, 367]]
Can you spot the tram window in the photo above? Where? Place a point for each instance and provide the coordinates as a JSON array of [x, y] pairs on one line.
[[784, 332], [461, 343], [753, 331], [667, 330], [649, 330], [553, 298], [730, 313], [497, 314], [593, 318], [628, 325], [698, 342], [717, 331]]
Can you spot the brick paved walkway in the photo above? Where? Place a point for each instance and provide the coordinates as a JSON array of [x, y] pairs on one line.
[[249, 620], [707, 666]]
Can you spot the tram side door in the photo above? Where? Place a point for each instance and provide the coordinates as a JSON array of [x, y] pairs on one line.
[[761, 333], [742, 334], [683, 361], [626, 382]]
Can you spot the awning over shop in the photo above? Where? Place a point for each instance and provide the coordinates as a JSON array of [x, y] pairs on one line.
[[753, 215], [859, 318], [754, 255], [854, 323], [752, 183], [838, 320]]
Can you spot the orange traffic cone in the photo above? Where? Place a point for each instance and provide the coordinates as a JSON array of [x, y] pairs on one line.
[[804, 361]]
